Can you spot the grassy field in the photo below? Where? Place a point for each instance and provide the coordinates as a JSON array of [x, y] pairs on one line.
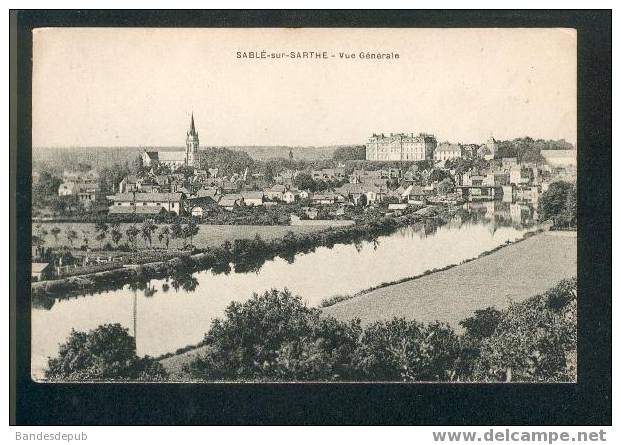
[[513, 273], [208, 235]]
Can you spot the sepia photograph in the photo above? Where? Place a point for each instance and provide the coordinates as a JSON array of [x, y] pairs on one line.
[[304, 205]]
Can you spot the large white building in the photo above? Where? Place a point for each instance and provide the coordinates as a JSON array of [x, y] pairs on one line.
[[147, 203], [175, 159], [400, 147]]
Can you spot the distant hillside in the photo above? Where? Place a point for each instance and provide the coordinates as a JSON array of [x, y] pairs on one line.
[[282, 151], [70, 157]]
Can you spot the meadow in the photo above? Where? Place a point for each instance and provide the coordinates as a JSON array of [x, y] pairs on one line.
[[208, 235]]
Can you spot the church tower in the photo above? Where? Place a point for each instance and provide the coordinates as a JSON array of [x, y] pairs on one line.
[[191, 146]]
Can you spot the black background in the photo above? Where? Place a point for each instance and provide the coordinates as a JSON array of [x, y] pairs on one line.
[[586, 403]]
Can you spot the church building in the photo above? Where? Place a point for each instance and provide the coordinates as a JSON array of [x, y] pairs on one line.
[[175, 159]]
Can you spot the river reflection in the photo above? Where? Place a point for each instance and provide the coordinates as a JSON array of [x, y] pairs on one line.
[[171, 313]]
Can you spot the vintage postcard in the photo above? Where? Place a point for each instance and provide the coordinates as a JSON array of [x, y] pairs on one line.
[[304, 205]]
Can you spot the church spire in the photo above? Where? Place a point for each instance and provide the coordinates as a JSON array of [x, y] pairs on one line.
[[192, 130]]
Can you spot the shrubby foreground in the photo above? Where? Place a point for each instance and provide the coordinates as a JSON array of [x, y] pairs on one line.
[[276, 337]]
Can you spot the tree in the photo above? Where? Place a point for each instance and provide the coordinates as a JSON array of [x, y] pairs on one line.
[[304, 181], [42, 232], [362, 200], [55, 231], [115, 233], [71, 235], [110, 177], [558, 203], [138, 165], [535, 341], [190, 231], [275, 336], [570, 213], [176, 230], [357, 152], [445, 186], [404, 350], [132, 232], [105, 353], [101, 228], [228, 161], [438, 174], [146, 230], [46, 186], [37, 241], [483, 323], [164, 235]]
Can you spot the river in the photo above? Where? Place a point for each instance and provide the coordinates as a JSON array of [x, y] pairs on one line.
[[168, 314]]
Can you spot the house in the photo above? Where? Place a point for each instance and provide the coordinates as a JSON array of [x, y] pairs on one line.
[[197, 211], [290, 196], [147, 203], [41, 271], [351, 191], [416, 195], [375, 193], [230, 201], [360, 175], [68, 188], [391, 173], [497, 179], [328, 174], [520, 176], [275, 192], [229, 187], [203, 198], [446, 151], [253, 198], [324, 198], [86, 191], [488, 150]]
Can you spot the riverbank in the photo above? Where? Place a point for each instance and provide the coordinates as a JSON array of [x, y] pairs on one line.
[[331, 301], [510, 274], [209, 235], [245, 254]]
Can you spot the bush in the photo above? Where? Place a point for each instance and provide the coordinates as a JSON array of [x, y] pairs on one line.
[[535, 341], [275, 336], [483, 323], [403, 350], [105, 353], [558, 203]]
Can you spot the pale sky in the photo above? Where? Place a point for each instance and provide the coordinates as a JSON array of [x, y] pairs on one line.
[[137, 87]]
